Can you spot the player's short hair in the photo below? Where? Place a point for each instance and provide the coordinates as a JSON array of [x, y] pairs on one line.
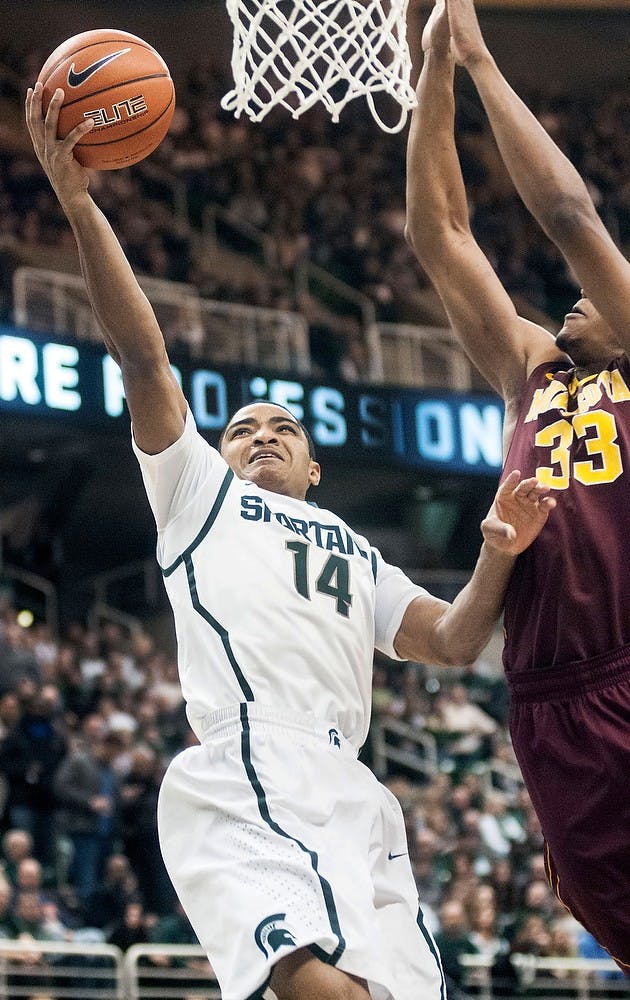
[[309, 440]]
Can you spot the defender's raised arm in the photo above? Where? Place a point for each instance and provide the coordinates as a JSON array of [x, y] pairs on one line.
[[549, 185], [502, 345]]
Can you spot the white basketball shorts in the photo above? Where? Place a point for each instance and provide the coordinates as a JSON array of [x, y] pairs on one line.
[[276, 837]]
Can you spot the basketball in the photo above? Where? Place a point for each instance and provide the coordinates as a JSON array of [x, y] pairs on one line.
[[120, 82]]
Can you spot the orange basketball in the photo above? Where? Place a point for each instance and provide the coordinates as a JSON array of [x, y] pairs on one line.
[[120, 82]]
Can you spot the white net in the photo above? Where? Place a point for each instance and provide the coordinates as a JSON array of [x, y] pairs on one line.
[[294, 53]]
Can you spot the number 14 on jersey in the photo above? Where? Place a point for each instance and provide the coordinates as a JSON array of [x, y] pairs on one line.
[[334, 579]]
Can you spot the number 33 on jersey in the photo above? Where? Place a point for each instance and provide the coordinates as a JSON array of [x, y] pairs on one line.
[[580, 440]]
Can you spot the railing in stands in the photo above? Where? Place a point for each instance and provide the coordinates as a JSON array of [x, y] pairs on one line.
[[55, 302], [399, 353], [230, 333], [173, 971], [521, 976], [89, 970], [56, 969], [424, 355], [399, 743]]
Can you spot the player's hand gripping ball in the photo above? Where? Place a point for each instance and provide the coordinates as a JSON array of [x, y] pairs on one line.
[[122, 84]]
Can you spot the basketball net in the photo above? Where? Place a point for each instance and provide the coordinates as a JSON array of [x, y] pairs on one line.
[[294, 53]]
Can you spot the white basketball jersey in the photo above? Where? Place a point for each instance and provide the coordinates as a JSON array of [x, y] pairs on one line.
[[276, 601]]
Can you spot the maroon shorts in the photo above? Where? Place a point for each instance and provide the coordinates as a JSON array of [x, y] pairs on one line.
[[571, 734]]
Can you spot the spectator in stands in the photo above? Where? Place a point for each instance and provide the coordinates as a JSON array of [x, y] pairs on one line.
[[105, 906], [75, 692], [504, 771], [176, 929], [462, 727], [29, 878], [131, 928], [538, 899], [503, 880], [37, 920], [484, 934], [91, 661], [8, 926], [563, 940], [17, 660], [463, 881], [10, 712], [29, 756], [16, 845], [453, 941], [533, 938], [138, 808], [149, 731], [173, 928], [498, 828], [426, 868], [87, 791]]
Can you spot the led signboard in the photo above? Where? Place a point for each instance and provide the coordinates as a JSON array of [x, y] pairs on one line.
[[80, 383]]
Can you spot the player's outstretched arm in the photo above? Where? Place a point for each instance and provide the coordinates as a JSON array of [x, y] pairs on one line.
[[551, 188], [434, 631], [127, 321], [503, 346]]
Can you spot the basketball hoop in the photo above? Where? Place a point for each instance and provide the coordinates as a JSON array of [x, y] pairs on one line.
[[294, 53]]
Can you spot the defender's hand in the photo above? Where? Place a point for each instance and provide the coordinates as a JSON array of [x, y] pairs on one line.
[[66, 174], [436, 31], [517, 516], [467, 42]]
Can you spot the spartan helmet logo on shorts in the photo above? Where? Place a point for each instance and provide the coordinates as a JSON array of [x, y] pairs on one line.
[[270, 935]]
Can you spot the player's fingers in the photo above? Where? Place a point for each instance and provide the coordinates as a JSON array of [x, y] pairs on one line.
[[36, 102], [77, 132], [28, 103], [509, 483], [34, 123], [531, 489], [52, 115], [29, 108]]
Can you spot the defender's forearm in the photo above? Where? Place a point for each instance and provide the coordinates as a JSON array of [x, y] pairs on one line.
[[436, 196], [543, 176]]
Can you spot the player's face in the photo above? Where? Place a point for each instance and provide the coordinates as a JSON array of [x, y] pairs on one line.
[[265, 445], [586, 336]]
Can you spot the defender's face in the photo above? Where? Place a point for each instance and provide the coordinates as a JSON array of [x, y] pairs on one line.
[[586, 336], [265, 445]]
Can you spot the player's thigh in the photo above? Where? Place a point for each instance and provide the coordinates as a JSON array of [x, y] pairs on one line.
[[301, 975]]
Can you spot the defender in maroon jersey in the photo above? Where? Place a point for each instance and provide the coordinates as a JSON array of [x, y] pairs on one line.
[[567, 421]]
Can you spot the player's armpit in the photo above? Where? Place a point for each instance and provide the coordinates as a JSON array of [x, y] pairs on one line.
[[502, 345]]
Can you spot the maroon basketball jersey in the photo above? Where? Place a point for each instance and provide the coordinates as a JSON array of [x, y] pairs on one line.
[[569, 597]]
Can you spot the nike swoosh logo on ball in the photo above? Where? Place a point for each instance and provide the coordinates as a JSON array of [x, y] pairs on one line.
[[76, 79]]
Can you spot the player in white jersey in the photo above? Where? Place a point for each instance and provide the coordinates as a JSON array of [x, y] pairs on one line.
[[289, 857]]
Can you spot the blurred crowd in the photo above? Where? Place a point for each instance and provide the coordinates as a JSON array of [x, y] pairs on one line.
[[306, 189], [90, 720]]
